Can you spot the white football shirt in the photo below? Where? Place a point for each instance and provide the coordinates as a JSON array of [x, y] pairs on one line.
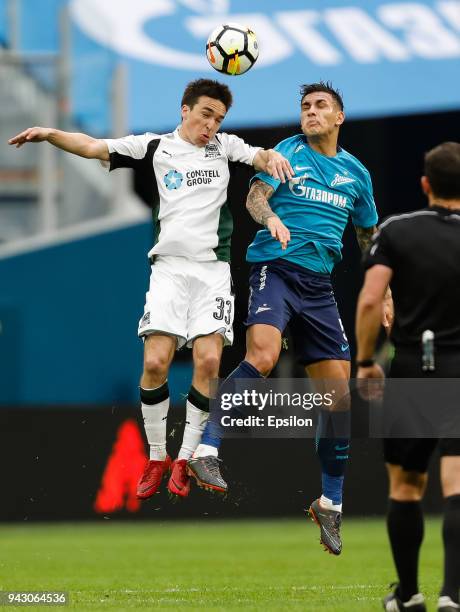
[[190, 209]]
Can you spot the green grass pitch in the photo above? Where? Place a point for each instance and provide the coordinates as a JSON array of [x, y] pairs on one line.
[[209, 565]]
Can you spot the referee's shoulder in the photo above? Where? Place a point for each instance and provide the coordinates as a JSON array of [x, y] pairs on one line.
[[394, 222]]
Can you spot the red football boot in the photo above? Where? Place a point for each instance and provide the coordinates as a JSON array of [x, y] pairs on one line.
[[151, 479], [179, 482]]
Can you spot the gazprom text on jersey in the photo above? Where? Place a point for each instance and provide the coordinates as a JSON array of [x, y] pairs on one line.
[[319, 195]]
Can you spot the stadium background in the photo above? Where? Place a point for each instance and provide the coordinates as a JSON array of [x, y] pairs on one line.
[[73, 270]]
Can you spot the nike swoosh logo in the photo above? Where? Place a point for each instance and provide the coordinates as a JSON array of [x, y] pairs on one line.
[[302, 168], [344, 347], [177, 485], [341, 448]]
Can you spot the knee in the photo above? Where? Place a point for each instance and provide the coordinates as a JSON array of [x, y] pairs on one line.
[[405, 490], [207, 365], [156, 365], [263, 360]]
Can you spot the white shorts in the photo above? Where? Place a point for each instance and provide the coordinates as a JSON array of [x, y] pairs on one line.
[[188, 299]]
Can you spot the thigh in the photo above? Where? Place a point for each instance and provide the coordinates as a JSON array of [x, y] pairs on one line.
[[317, 329], [211, 308], [166, 303], [270, 297]]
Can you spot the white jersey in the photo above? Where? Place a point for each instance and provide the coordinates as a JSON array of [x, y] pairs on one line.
[[190, 208]]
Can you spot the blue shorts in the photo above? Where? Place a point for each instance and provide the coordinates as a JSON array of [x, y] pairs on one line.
[[283, 293]]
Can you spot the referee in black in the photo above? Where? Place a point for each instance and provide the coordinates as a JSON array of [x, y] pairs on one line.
[[418, 254]]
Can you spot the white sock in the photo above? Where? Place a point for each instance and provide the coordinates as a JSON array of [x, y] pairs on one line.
[[155, 427], [204, 450], [195, 422], [328, 505]]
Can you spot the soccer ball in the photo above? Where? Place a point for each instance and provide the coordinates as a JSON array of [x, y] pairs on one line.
[[232, 49]]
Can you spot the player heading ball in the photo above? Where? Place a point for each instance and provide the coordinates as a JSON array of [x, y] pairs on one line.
[[189, 301]]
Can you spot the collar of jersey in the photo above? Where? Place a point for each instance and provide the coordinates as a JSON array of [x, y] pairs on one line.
[[443, 210], [339, 149]]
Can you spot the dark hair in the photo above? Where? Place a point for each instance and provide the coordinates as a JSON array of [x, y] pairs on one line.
[[442, 168], [325, 86], [207, 87]]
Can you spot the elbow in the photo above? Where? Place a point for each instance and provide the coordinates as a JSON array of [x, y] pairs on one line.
[[95, 150], [368, 301]]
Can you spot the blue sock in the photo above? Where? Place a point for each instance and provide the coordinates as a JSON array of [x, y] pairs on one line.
[[214, 432], [332, 446], [332, 487]]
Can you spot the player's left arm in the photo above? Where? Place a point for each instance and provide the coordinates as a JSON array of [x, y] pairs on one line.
[[364, 236], [368, 317], [273, 163]]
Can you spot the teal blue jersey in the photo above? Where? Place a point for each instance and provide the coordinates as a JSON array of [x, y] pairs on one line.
[[315, 206]]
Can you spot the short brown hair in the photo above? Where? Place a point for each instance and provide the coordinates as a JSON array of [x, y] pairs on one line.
[[326, 87], [207, 87], [442, 168]]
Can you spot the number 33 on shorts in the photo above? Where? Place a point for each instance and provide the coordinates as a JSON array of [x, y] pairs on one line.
[[224, 310]]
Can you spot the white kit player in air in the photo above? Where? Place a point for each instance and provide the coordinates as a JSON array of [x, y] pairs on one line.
[[189, 301]]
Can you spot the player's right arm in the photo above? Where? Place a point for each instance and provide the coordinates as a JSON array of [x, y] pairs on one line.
[[259, 209], [72, 142]]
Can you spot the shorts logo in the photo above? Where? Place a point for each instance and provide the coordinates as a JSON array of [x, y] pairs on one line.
[[344, 347], [263, 277], [344, 335], [263, 308], [211, 151], [145, 319], [173, 179]]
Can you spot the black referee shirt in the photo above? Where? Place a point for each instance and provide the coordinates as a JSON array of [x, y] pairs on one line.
[[423, 250]]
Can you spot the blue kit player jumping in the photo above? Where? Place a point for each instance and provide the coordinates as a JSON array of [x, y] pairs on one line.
[[292, 259]]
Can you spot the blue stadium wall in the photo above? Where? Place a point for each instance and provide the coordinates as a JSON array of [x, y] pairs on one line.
[[69, 318]]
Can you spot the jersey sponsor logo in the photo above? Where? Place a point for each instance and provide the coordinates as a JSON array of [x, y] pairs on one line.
[[211, 151], [298, 188], [201, 177], [173, 179], [341, 180]]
